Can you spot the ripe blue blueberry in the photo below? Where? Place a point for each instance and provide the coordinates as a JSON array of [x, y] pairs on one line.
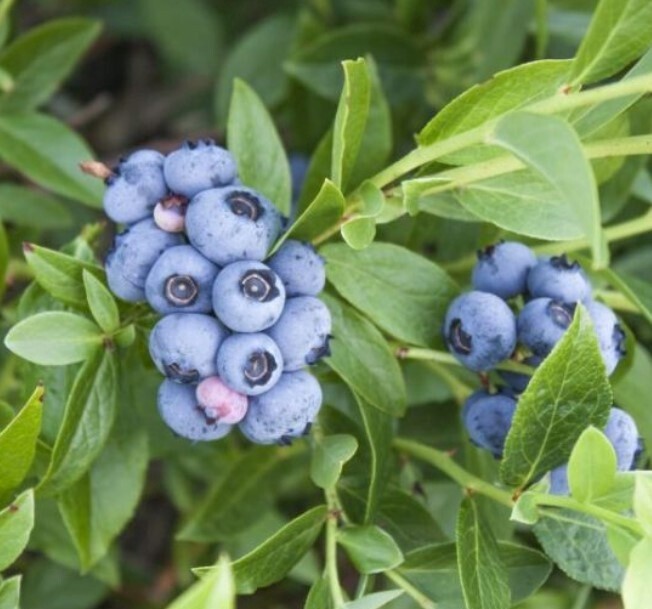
[[558, 278], [502, 269], [623, 435], [132, 256], [300, 268], [611, 336], [198, 166], [542, 322], [249, 363], [179, 409], [230, 224], [488, 418], [184, 346], [136, 186], [480, 330], [248, 296], [302, 332], [181, 281], [284, 412], [517, 381]]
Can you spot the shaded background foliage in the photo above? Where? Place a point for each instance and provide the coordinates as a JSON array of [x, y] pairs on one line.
[[151, 73]]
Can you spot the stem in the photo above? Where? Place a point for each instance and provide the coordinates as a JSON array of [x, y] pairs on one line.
[[582, 597], [442, 357], [416, 595], [569, 503], [460, 390], [443, 462], [331, 551]]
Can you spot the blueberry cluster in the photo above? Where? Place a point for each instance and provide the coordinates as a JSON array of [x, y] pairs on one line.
[[521, 303], [236, 332]]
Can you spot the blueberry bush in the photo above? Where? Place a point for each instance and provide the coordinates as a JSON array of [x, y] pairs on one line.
[[325, 304]]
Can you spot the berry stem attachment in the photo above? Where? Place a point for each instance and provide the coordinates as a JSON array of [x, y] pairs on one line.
[[96, 169]]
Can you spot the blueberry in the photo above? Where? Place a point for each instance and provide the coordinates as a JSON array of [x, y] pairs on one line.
[[230, 224], [611, 336], [220, 402], [300, 268], [488, 418], [132, 255], [623, 435], [184, 346], [178, 407], [249, 363], [248, 296], [135, 188], [559, 480], [198, 166], [542, 322], [516, 381], [181, 281], [284, 412], [560, 279], [480, 330], [302, 332], [502, 269]]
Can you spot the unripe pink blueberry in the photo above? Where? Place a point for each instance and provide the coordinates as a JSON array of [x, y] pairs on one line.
[[170, 214], [220, 402]]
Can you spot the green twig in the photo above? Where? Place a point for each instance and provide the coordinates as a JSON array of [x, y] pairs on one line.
[[416, 595], [443, 462], [332, 573]]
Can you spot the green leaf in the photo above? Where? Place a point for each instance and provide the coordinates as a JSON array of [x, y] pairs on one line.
[[319, 596], [87, 422], [59, 274], [317, 173], [273, 560], [324, 211], [257, 147], [48, 152], [101, 303], [578, 545], [237, 499], [643, 500], [550, 147], [619, 33], [482, 573], [4, 258], [568, 391], [16, 523], [370, 549], [10, 592], [375, 600], [97, 507], [257, 58], [405, 294], [42, 58], [505, 92], [329, 456], [398, 57], [189, 34], [361, 357], [433, 570], [217, 589], [54, 338], [592, 466], [28, 207], [350, 121], [637, 290], [18, 443], [635, 592], [359, 233]]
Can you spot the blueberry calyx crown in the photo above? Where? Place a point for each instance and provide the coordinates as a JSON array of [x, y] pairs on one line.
[[245, 204], [192, 144], [259, 285], [260, 367], [458, 338], [177, 373], [181, 290], [620, 340], [562, 263], [324, 350], [487, 252], [561, 313]]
